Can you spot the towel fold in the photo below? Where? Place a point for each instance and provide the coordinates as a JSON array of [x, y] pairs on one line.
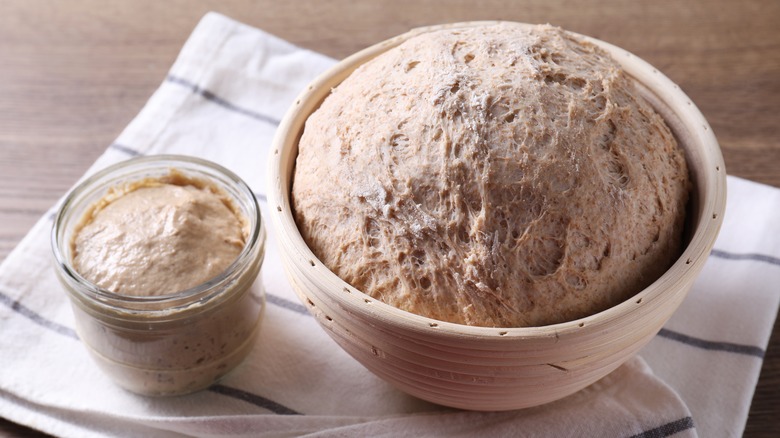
[[222, 101]]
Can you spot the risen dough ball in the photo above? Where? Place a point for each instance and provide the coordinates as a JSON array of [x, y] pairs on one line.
[[492, 176]]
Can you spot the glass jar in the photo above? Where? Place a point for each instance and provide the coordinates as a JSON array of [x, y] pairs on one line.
[[171, 343]]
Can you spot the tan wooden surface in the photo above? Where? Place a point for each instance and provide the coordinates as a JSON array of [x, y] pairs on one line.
[[74, 73]]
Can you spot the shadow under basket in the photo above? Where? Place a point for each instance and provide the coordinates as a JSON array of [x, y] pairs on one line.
[[481, 368]]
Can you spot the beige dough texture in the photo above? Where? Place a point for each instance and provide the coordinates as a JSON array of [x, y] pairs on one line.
[[158, 237], [493, 176]]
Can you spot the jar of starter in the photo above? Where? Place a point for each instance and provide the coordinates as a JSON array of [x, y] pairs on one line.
[[160, 257]]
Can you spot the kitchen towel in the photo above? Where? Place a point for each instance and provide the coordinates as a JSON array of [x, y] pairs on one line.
[[222, 101]]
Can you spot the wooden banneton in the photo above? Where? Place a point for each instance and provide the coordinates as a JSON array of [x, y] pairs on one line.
[[483, 368]]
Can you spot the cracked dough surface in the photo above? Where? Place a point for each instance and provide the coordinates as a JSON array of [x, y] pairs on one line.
[[492, 176]]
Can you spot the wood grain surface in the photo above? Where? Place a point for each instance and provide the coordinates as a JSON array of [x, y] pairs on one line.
[[73, 74]]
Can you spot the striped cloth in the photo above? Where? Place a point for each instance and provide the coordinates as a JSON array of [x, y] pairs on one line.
[[222, 101]]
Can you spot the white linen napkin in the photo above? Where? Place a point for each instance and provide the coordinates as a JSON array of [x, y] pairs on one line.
[[222, 101]]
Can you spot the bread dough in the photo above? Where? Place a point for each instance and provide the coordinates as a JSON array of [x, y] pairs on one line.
[[493, 176]]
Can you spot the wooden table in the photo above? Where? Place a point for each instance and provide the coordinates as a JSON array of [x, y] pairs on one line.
[[73, 74]]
